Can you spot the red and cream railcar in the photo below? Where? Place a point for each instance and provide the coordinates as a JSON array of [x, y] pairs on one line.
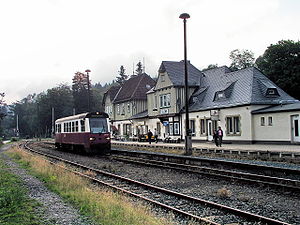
[[89, 132]]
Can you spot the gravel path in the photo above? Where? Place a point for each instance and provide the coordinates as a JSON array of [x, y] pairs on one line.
[[53, 209]]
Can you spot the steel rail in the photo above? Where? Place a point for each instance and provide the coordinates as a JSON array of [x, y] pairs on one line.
[[250, 216], [242, 176], [205, 161]]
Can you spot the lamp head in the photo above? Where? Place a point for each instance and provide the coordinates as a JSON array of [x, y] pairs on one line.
[[184, 16], [87, 71]]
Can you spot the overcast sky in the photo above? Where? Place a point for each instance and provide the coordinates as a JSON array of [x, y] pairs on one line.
[[44, 42]]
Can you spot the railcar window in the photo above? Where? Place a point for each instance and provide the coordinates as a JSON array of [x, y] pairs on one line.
[[65, 127], [82, 123], [98, 125], [73, 126], [70, 126], [59, 128], [76, 126]]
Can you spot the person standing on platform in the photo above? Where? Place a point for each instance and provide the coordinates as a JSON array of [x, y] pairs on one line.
[[216, 139], [155, 135], [220, 135], [149, 136]]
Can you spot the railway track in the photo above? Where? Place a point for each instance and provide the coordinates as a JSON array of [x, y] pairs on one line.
[[194, 208], [271, 181]]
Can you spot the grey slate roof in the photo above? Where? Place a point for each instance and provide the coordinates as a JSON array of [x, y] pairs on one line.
[[242, 87], [175, 70], [279, 108], [135, 88], [111, 93]]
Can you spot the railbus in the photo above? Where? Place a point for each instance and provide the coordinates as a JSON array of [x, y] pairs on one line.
[[87, 132]]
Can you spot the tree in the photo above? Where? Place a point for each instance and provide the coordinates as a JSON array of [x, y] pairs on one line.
[[35, 111], [241, 59], [2, 111], [80, 92], [281, 63], [139, 68], [122, 76], [210, 66]]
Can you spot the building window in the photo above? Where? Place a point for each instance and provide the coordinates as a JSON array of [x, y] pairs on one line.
[[155, 102], [262, 121], [233, 125], [162, 78], [192, 127], [128, 108], [270, 121], [176, 128], [171, 128], [123, 109], [202, 127], [272, 92], [158, 129], [118, 109], [165, 100], [220, 95]]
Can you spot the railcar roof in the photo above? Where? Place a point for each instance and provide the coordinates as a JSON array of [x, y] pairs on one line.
[[75, 117], [80, 116]]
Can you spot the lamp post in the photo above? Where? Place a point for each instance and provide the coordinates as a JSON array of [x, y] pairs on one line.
[[88, 84], [188, 138]]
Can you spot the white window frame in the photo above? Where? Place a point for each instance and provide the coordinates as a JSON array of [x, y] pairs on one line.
[[165, 100], [233, 125], [270, 121], [128, 107], [202, 127], [262, 121]]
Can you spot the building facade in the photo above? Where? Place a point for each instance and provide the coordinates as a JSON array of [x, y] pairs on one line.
[[245, 104]]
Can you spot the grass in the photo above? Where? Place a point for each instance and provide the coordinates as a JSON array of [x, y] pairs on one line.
[[103, 206], [15, 206]]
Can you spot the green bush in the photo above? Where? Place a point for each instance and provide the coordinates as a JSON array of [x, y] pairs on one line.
[[14, 139]]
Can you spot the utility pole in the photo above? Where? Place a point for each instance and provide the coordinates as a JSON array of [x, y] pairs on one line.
[[88, 84], [17, 131], [53, 123], [188, 138]]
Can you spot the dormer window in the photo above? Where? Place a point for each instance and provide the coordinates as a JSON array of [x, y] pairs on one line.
[[272, 92], [220, 95]]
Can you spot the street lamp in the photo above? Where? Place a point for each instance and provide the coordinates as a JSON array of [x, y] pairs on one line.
[[188, 138], [88, 84]]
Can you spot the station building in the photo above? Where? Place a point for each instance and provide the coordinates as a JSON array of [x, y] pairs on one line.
[[248, 106]]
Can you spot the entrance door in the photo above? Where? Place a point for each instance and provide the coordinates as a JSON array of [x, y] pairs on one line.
[[209, 130], [295, 129]]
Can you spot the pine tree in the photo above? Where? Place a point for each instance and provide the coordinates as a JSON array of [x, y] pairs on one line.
[[139, 69], [122, 76]]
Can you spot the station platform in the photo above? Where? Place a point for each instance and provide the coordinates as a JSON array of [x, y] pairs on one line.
[[226, 147]]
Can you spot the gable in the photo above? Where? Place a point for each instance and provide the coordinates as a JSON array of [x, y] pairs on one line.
[[135, 88]]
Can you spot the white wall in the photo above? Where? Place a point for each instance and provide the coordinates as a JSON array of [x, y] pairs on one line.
[[279, 131]]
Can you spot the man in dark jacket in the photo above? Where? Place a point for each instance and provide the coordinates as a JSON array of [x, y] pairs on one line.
[[149, 134], [216, 138]]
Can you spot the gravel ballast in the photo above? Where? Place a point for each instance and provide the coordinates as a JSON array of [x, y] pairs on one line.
[[284, 206]]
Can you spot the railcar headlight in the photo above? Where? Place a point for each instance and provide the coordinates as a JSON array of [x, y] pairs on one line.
[[92, 139], [108, 138]]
